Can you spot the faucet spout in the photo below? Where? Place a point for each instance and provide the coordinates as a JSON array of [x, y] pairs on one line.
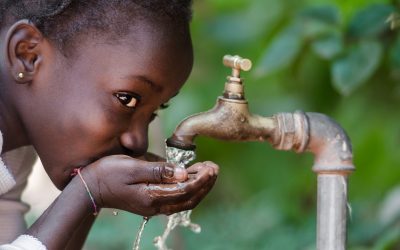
[[229, 120]]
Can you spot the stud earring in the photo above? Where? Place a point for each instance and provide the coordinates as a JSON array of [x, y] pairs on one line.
[[21, 75]]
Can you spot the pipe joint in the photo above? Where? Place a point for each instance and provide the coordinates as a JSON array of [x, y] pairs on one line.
[[330, 145], [292, 131], [318, 134]]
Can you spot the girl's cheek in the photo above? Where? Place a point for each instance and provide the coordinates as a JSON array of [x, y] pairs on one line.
[[101, 127]]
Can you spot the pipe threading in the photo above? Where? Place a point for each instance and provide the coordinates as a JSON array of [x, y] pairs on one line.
[[292, 131]]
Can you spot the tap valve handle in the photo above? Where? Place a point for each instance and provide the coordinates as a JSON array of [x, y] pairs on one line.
[[237, 63], [234, 86]]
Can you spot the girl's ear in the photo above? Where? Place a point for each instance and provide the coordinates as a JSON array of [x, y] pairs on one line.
[[24, 54]]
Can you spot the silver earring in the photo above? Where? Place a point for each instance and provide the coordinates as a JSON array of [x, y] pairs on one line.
[[21, 75]]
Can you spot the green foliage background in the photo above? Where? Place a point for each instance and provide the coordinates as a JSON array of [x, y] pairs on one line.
[[336, 57]]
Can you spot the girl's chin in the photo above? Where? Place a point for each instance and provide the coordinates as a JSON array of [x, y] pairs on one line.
[[61, 180]]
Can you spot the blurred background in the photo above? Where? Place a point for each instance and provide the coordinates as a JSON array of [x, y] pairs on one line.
[[338, 57]]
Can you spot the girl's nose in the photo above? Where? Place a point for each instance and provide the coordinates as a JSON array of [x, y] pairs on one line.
[[135, 140]]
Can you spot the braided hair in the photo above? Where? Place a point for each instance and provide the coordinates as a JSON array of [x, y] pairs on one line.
[[63, 20]]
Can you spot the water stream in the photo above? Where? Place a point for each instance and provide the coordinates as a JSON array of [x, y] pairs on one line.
[[181, 158], [136, 244]]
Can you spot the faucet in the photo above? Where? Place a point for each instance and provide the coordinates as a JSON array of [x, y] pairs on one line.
[[230, 120]]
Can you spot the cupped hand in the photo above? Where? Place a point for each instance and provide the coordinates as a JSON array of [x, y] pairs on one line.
[[148, 188]]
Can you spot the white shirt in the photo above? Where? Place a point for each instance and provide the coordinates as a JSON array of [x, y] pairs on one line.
[[12, 209]]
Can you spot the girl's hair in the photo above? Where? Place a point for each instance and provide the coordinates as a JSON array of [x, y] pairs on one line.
[[63, 20]]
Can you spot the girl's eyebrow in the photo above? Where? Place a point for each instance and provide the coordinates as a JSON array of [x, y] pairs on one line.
[[155, 87]]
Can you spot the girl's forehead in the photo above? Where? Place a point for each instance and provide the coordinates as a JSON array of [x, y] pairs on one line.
[[161, 58], [143, 37]]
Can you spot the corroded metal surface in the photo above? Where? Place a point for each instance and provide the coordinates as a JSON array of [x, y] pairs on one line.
[[292, 132], [229, 120], [330, 145]]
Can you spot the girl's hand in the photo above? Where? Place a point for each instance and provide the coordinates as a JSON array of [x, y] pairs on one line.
[[148, 188]]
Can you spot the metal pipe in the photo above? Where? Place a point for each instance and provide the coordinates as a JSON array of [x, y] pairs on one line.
[[331, 212], [333, 162]]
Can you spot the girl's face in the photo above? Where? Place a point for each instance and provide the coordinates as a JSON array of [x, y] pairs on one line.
[[101, 100]]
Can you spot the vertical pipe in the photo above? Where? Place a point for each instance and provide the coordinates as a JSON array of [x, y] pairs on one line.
[[332, 211]]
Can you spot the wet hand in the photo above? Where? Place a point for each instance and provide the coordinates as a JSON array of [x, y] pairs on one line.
[[186, 195], [148, 188]]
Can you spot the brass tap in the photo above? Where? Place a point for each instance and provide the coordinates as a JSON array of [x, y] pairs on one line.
[[230, 118]]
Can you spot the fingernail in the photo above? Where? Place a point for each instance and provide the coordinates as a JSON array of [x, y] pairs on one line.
[[180, 174], [169, 172]]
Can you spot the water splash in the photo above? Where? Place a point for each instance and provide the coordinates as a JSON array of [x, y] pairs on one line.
[[136, 244], [180, 158]]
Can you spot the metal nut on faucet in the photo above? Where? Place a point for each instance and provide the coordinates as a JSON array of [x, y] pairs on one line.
[[293, 131]]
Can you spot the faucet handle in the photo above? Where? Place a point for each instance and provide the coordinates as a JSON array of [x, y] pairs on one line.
[[234, 86], [237, 63]]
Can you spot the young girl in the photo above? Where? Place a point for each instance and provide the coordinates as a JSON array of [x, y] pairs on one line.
[[80, 82]]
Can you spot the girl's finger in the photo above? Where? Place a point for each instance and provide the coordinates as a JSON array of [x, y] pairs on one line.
[[173, 193], [153, 172], [195, 167]]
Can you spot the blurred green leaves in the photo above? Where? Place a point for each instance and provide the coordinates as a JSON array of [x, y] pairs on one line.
[[282, 51], [317, 21], [355, 51], [243, 25], [370, 21], [309, 24], [356, 66], [394, 58], [328, 46]]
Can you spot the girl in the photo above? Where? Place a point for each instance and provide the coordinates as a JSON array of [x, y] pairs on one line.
[[80, 82]]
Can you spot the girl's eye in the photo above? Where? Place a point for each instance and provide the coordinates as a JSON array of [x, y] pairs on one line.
[[129, 100]]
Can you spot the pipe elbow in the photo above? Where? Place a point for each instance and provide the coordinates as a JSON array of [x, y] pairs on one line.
[[318, 134], [330, 144]]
